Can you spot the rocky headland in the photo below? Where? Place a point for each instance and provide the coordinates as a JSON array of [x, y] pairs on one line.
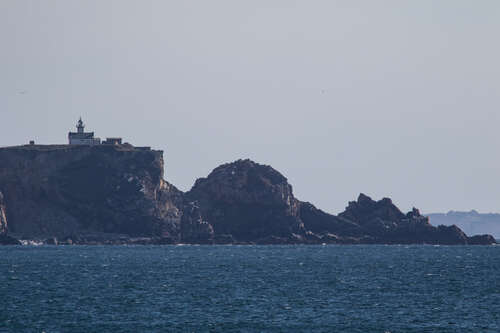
[[117, 194]]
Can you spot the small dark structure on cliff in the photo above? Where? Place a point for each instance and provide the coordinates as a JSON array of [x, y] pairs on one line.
[[80, 137], [112, 141]]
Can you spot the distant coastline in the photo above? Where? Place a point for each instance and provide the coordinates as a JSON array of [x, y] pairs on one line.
[[471, 222]]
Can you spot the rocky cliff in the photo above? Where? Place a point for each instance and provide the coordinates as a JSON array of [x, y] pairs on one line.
[[251, 202], [248, 201], [3, 217], [117, 194], [4, 238], [382, 222], [63, 191]]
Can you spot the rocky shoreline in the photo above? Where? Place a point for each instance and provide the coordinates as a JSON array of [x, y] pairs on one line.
[[225, 240], [98, 195]]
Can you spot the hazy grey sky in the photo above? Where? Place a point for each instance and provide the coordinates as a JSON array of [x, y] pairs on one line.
[[390, 98]]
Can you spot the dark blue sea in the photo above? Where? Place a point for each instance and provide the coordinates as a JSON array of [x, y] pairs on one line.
[[250, 289]]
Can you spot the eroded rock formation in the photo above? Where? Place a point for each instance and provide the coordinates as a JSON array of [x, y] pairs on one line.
[[248, 201], [59, 191], [382, 222], [255, 203], [117, 194]]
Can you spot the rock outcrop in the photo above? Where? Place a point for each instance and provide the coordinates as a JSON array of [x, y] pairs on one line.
[[319, 222], [5, 239], [116, 194], [3, 216], [60, 191], [481, 240], [382, 222], [254, 203], [193, 228], [8, 240], [247, 200]]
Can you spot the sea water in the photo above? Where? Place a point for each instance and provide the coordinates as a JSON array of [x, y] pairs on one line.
[[250, 289]]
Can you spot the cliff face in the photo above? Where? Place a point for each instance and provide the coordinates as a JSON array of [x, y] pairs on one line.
[[3, 217], [248, 201], [117, 194], [66, 190]]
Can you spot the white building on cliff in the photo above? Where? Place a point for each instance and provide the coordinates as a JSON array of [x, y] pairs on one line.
[[81, 137]]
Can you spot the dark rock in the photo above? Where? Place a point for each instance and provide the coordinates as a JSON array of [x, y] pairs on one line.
[[224, 239], [365, 211], [141, 241], [68, 241], [331, 239], [8, 240], [312, 238], [273, 240], [194, 229], [250, 201], [116, 194], [413, 214], [481, 240], [317, 221], [51, 241], [53, 191], [164, 241], [449, 235], [383, 222]]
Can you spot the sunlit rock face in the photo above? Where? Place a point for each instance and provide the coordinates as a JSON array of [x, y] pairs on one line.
[[3, 217]]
